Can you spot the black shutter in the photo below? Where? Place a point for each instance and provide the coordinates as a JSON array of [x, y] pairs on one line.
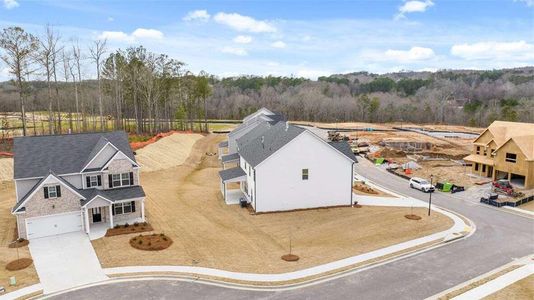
[[113, 209], [99, 178], [110, 178], [58, 191], [133, 204], [88, 181], [46, 192], [131, 178]]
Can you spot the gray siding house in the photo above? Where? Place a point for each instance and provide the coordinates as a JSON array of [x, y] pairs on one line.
[[67, 183]]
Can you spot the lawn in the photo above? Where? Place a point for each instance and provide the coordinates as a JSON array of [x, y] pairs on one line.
[[520, 290], [24, 277], [527, 206], [184, 202]]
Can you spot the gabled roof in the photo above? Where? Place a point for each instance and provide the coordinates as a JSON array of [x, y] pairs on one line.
[[113, 195], [232, 173], [255, 132], [521, 133], [39, 184], [35, 156], [262, 146], [102, 142], [525, 143]]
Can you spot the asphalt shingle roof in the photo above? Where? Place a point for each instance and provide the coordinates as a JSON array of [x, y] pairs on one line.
[[261, 147], [35, 156], [255, 132], [231, 173], [113, 194], [344, 148], [230, 157], [223, 144]]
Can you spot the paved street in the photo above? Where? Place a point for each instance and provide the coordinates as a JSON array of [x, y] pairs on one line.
[[500, 237]]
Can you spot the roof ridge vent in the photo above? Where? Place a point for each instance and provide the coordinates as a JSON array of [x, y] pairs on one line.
[[287, 125]]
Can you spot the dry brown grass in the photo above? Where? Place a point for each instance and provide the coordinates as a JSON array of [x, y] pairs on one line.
[[184, 202], [6, 169], [527, 206], [521, 290], [24, 277]]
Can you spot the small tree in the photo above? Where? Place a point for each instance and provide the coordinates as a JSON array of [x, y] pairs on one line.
[[19, 46]]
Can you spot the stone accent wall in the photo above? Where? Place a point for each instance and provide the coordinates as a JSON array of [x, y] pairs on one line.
[[125, 217], [38, 206]]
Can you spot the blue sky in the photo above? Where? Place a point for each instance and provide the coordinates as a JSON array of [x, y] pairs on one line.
[[295, 37]]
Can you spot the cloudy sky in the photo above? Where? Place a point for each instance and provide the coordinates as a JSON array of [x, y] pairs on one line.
[[306, 38]]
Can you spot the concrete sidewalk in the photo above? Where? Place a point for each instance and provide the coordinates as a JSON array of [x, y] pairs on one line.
[[458, 227]]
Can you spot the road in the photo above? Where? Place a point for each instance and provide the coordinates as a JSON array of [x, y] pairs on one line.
[[500, 237]]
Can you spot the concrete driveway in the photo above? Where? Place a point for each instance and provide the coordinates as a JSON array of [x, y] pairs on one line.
[[65, 261]]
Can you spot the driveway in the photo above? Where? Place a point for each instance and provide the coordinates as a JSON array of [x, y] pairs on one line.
[[64, 261]]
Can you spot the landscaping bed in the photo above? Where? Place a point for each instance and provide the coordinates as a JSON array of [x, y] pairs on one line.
[[153, 242], [128, 229], [19, 243], [364, 189], [19, 264]]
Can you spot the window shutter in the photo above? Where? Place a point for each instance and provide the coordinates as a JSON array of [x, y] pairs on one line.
[[110, 178], [131, 178], [46, 192], [133, 204], [99, 178], [88, 181], [58, 191], [113, 209]]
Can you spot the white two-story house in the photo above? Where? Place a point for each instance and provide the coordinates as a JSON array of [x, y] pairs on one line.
[[285, 167], [67, 183]]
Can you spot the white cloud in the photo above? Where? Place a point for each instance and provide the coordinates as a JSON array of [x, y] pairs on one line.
[[143, 33], [529, 3], [197, 15], [243, 23], [115, 36], [234, 51], [278, 44], [414, 54], [312, 74], [111, 19], [520, 50], [413, 6], [9, 4], [242, 39]]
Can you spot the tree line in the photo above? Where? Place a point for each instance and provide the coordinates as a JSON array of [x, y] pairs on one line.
[[141, 91]]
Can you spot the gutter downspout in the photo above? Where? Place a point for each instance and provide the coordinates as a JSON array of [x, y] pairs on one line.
[[351, 183]]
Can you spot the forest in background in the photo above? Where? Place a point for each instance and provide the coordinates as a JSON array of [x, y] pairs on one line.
[[142, 91]]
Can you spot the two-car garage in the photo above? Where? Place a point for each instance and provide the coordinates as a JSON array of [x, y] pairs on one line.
[[53, 224]]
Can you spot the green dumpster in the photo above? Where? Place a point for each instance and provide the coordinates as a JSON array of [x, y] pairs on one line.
[[379, 161], [447, 186]]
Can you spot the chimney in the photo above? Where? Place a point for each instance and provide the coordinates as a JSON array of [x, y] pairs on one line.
[[262, 141], [287, 125]]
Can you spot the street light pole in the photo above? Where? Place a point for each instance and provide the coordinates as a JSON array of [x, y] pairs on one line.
[[430, 195]]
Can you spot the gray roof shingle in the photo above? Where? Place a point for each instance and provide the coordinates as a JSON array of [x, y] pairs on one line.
[[264, 145], [35, 156], [223, 144], [230, 157], [113, 194], [344, 148], [231, 173], [255, 132]]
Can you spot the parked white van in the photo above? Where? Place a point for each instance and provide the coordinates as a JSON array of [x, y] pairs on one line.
[[421, 184]]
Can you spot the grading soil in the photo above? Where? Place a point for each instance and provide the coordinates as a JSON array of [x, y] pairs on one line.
[[27, 276], [131, 228], [6, 169], [185, 203], [19, 264], [153, 242], [167, 152]]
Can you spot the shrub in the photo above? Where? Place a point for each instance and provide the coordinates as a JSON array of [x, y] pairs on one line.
[[140, 242], [117, 226], [126, 225], [149, 244], [20, 240], [161, 234], [136, 224], [165, 238]]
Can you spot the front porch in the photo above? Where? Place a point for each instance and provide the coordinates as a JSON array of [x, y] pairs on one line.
[[232, 176], [101, 214]]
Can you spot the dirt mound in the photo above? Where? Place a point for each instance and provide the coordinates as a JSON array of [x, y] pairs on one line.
[[167, 152]]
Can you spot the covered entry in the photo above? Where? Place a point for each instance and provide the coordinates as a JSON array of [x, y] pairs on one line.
[[230, 176], [229, 159]]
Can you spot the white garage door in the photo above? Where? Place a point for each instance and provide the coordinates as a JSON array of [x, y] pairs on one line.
[[52, 225]]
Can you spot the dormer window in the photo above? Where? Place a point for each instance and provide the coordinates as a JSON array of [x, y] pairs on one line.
[[93, 180], [120, 180]]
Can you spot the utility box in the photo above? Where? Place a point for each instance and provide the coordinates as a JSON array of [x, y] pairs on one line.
[[12, 281]]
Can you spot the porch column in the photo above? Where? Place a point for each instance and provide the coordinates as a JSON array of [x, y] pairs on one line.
[[143, 210], [87, 225], [110, 207]]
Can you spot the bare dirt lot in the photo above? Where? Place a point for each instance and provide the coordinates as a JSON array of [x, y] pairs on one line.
[[168, 152], [6, 169], [24, 277], [185, 203]]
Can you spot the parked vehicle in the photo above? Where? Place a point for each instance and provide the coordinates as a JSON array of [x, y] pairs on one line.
[[421, 184]]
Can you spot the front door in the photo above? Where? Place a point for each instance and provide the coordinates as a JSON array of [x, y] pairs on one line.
[[97, 215], [490, 171]]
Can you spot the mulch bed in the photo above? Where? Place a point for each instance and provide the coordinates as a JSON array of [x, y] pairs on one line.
[[365, 189], [290, 257], [133, 228], [152, 242], [19, 264], [412, 217], [19, 243]]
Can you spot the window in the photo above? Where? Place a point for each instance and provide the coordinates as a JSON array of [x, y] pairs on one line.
[[478, 149], [118, 180], [124, 208], [511, 157], [485, 151], [476, 166], [483, 168], [53, 191], [93, 180], [305, 174]]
